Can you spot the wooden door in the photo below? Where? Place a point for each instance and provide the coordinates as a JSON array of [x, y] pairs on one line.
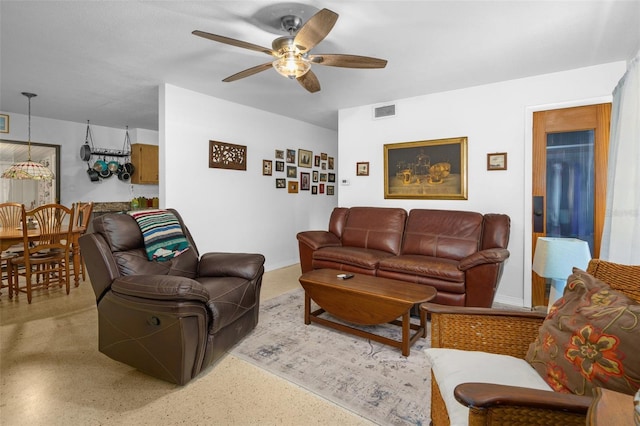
[[570, 150]]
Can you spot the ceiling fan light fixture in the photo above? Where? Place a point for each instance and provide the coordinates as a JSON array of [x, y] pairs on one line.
[[291, 65]]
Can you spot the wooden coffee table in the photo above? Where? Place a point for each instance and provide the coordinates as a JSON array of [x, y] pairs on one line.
[[365, 300]]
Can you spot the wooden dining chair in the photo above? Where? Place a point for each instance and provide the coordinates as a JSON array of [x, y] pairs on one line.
[[82, 215], [46, 250], [10, 216]]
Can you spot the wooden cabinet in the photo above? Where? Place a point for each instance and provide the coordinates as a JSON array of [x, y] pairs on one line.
[[145, 159]]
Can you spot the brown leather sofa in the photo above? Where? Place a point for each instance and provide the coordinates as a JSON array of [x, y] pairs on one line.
[[460, 253], [168, 319]]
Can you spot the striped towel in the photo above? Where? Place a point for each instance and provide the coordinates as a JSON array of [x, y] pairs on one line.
[[162, 234]]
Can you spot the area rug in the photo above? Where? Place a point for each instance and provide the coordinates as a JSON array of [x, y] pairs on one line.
[[371, 379]]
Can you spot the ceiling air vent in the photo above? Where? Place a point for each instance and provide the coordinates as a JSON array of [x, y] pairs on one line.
[[384, 111]]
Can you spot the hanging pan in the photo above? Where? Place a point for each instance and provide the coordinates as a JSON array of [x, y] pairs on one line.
[[85, 150], [94, 176]]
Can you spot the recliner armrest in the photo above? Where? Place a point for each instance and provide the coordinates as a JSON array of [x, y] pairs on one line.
[[494, 255], [318, 239], [486, 396], [243, 265], [161, 287]]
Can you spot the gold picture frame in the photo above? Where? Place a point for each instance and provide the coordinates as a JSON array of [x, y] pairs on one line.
[[497, 161], [430, 169], [305, 158]]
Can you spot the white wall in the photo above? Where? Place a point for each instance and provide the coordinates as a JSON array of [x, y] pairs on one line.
[[74, 181], [230, 210], [495, 118]]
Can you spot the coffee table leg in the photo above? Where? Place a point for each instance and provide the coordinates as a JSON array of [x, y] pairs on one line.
[[423, 322], [405, 333], [307, 308]]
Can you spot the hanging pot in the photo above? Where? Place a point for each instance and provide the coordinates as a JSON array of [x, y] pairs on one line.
[[100, 165], [93, 175], [123, 174], [128, 167], [106, 173], [85, 152], [113, 166]]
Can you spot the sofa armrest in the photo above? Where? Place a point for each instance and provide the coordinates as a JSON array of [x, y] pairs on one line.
[[243, 265], [310, 241], [491, 401], [499, 331], [494, 255], [161, 287], [318, 239]]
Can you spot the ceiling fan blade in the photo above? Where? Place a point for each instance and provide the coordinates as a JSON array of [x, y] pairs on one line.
[[315, 30], [234, 42], [348, 61], [248, 72], [309, 81]]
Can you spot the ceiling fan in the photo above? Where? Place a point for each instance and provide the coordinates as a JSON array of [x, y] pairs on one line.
[[292, 52]]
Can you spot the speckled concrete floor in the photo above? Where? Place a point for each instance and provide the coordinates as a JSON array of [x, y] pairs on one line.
[[52, 374]]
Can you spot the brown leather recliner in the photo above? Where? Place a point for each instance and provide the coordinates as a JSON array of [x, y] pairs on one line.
[[168, 319]]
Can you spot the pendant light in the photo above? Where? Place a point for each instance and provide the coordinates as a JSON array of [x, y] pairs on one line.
[[28, 169]]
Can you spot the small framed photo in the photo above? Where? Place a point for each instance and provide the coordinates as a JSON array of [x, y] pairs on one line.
[[330, 189], [323, 177], [314, 189], [315, 176], [291, 156], [323, 155], [330, 163], [305, 158], [332, 177], [323, 166], [293, 187], [316, 160], [305, 181], [267, 167], [292, 171], [362, 168], [281, 183], [497, 161], [279, 154], [279, 166], [4, 123], [322, 188]]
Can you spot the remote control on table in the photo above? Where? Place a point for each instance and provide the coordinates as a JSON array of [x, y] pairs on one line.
[[345, 276]]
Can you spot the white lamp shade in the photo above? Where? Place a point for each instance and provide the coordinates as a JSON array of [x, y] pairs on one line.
[[556, 257]]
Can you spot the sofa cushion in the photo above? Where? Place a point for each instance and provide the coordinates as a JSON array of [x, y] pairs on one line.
[[442, 233], [589, 339], [425, 266], [452, 367], [375, 228], [355, 256]]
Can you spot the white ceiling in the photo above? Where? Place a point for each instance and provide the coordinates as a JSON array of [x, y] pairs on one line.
[[103, 60]]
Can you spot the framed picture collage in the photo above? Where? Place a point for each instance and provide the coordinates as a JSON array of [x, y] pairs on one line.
[[301, 170]]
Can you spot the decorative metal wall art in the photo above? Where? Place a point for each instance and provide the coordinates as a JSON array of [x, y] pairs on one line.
[[227, 156]]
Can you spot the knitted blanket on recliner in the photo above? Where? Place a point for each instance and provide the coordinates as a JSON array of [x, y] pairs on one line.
[[162, 234]]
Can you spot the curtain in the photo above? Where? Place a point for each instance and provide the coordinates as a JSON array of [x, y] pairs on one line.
[[621, 234]]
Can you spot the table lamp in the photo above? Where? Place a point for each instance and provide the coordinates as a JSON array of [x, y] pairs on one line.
[[555, 258]]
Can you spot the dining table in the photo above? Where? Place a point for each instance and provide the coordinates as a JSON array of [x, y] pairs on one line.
[[10, 237]]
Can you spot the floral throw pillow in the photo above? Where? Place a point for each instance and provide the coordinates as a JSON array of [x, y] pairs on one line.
[[590, 338]]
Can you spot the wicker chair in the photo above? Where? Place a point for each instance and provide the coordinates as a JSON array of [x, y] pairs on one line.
[[510, 333]]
